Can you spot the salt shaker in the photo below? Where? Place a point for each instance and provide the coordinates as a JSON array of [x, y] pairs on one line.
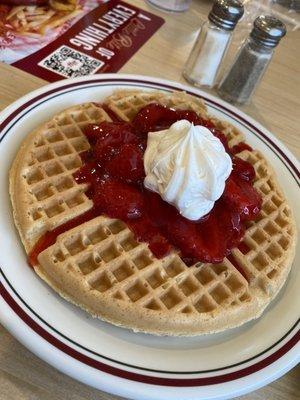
[[203, 63], [242, 78]]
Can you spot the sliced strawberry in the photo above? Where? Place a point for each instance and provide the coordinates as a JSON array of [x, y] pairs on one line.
[[243, 169], [114, 133], [127, 164], [199, 241], [84, 173], [103, 153], [185, 235], [242, 195], [146, 231], [212, 237], [154, 117], [230, 222], [179, 231], [157, 117], [159, 245], [92, 133], [118, 200], [111, 136], [120, 131]]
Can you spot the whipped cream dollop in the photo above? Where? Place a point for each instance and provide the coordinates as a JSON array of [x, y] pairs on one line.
[[188, 166]]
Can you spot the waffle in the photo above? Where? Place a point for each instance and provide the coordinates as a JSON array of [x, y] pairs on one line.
[[102, 268]]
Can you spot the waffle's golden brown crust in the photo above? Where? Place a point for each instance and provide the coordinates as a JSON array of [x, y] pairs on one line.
[[103, 269]]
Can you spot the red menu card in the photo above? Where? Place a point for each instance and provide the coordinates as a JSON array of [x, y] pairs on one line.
[[94, 37]]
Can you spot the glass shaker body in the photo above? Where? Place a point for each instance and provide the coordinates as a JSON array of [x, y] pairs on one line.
[[242, 78], [204, 61]]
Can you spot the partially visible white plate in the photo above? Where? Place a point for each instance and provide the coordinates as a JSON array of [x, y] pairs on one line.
[[116, 360]]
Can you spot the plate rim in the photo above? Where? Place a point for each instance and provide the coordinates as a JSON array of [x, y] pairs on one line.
[[22, 103]]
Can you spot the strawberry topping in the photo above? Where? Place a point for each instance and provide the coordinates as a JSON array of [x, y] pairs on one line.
[[243, 197], [114, 170], [118, 200], [127, 164], [155, 117], [242, 169]]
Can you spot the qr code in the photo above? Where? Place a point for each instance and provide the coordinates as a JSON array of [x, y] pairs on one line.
[[70, 63]]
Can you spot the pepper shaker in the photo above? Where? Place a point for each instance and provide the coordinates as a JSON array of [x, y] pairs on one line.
[[242, 78], [212, 42]]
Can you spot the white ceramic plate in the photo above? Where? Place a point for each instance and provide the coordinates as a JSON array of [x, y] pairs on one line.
[[116, 360]]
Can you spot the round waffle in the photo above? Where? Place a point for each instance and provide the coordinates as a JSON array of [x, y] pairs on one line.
[[102, 268]]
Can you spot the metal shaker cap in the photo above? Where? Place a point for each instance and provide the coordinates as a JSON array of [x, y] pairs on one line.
[[268, 30], [226, 13]]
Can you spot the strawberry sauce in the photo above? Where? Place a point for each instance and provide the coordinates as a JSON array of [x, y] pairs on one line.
[[114, 169]]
